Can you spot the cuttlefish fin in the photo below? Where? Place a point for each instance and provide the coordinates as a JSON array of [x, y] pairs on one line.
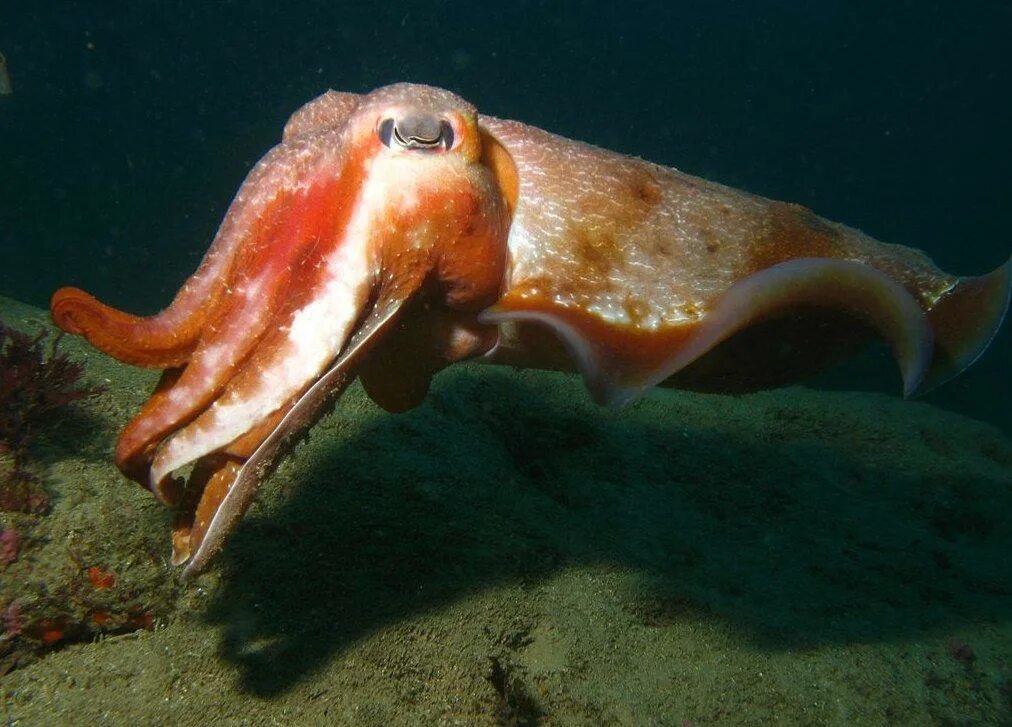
[[230, 482], [965, 320], [618, 365], [843, 285]]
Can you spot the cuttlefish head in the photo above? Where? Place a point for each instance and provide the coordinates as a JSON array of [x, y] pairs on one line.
[[364, 244]]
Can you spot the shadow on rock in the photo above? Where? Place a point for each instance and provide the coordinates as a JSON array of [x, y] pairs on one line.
[[796, 518]]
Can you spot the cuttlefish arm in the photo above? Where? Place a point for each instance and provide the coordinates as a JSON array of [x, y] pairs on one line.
[[284, 223], [168, 339], [643, 272], [373, 209], [216, 517]]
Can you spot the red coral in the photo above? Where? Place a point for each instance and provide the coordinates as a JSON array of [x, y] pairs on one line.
[[33, 385]]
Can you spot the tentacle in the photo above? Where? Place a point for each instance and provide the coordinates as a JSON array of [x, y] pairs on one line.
[[162, 341], [213, 364], [274, 271], [290, 357], [397, 372], [169, 338], [210, 481]]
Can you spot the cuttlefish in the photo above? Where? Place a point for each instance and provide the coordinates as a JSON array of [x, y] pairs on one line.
[[393, 233]]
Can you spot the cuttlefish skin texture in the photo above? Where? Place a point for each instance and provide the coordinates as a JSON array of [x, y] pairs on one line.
[[393, 233]]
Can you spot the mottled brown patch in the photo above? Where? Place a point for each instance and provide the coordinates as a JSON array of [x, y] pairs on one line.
[[710, 239], [661, 246], [637, 310], [595, 249], [645, 189], [625, 205]]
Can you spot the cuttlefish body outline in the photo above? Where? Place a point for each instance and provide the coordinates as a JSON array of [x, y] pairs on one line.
[[391, 234]]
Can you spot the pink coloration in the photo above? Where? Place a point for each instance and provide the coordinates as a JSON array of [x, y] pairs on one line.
[[10, 546]]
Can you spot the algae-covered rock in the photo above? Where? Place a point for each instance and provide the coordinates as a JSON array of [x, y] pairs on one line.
[[508, 553]]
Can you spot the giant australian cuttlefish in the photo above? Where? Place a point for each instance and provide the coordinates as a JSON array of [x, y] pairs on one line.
[[391, 234]]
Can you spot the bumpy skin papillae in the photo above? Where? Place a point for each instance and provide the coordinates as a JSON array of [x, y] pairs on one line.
[[393, 233]]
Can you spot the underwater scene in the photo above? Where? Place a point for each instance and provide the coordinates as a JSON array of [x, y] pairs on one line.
[[543, 363]]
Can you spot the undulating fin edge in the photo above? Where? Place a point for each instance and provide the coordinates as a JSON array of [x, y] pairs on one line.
[[622, 375], [965, 320]]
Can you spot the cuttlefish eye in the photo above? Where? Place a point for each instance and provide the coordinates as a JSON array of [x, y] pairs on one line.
[[416, 131]]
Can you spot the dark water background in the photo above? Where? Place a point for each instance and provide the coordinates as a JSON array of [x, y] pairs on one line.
[[132, 124]]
